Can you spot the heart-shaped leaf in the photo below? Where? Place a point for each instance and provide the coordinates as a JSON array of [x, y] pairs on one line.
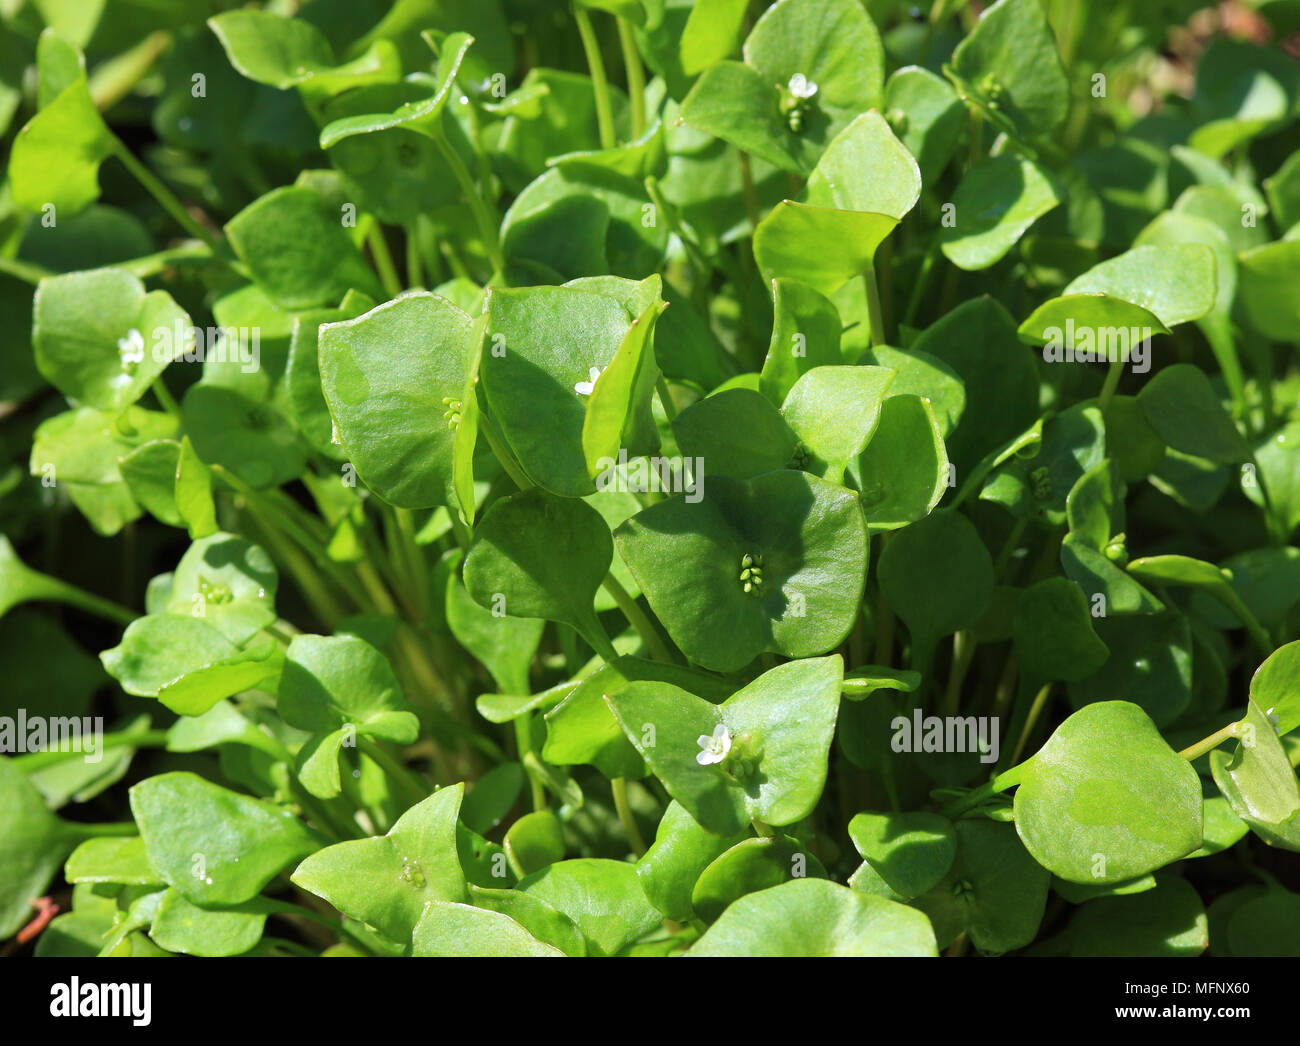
[[764, 760], [773, 563], [1106, 799], [816, 917]]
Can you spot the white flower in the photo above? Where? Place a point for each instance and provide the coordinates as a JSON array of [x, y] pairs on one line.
[[131, 348], [583, 388], [714, 749], [801, 87]]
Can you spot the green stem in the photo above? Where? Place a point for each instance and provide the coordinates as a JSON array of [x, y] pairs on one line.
[[383, 260], [874, 312], [98, 829], [159, 191], [165, 397], [638, 620], [62, 592], [750, 192], [33, 761], [405, 778], [619, 787], [1035, 710], [1217, 738], [635, 76], [25, 271], [524, 742], [599, 84], [963, 653], [1009, 548], [115, 79], [1109, 386], [414, 262], [1000, 783], [487, 225], [666, 398]]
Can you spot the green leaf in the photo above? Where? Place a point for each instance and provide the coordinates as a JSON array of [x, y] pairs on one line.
[[806, 536], [1175, 284], [910, 851], [618, 412], [937, 576], [253, 441], [228, 583], [538, 555], [1183, 408], [452, 929], [750, 866], [56, 154], [534, 841], [1259, 781], [297, 251], [995, 203], [862, 187], [1034, 485], [1167, 921], [149, 472], [529, 375], [994, 890], [830, 43], [834, 411], [805, 334], [213, 845], [394, 378], [33, 844], [101, 340], [1275, 687], [193, 492], [581, 728], [779, 728], [388, 880], [736, 432], [536, 916], [330, 682], [1267, 276], [505, 645], [681, 851], [181, 926], [1106, 799], [289, 52], [1150, 664], [815, 917], [926, 114], [1009, 67], [1053, 631], [903, 472], [604, 898]]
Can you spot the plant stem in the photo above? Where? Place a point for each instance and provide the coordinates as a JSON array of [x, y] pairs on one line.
[[963, 653], [524, 742], [1008, 549], [487, 224], [1206, 744], [635, 76], [874, 312], [1000, 783], [750, 192], [619, 787], [165, 397], [115, 79], [638, 620], [414, 263], [1035, 710], [405, 778], [95, 830], [599, 84], [63, 592], [159, 191], [33, 761], [383, 260], [25, 271], [666, 398], [1109, 386]]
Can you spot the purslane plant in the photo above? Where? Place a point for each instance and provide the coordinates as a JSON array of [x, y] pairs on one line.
[[649, 478]]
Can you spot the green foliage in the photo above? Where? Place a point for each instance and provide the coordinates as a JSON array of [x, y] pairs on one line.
[[821, 480]]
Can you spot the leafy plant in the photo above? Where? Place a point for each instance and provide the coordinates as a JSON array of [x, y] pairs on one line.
[[643, 478]]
